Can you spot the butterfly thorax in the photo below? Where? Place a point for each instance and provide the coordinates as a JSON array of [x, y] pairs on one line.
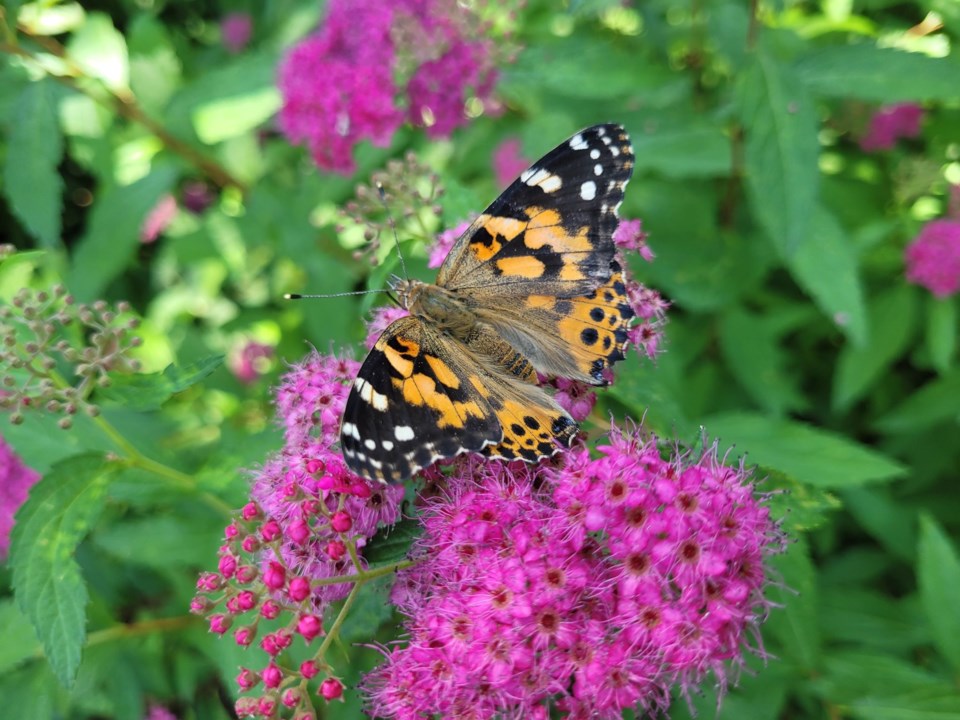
[[440, 307]]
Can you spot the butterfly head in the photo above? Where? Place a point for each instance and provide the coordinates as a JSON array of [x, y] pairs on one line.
[[405, 290]]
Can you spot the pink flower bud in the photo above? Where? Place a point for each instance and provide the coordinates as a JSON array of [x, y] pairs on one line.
[[247, 574], [266, 706], [245, 707], [247, 679], [290, 698], [341, 522], [309, 626], [272, 676], [247, 600], [250, 511], [269, 645], [309, 669], [270, 531], [336, 549], [331, 689], [298, 532], [231, 531], [233, 606], [270, 610], [299, 589], [245, 635], [309, 508], [209, 582], [200, 605], [315, 466], [361, 489], [219, 624], [250, 544], [275, 576], [290, 490]]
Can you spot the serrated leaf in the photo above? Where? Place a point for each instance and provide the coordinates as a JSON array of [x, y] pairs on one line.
[[938, 575], [812, 455], [879, 74], [19, 639], [33, 151], [891, 319], [46, 579], [937, 401], [148, 391], [825, 265], [942, 324], [780, 150], [392, 544], [799, 507], [796, 624], [101, 50], [113, 232]]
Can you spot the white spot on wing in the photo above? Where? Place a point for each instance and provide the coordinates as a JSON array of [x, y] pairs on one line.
[[371, 445], [387, 445], [350, 430], [578, 143], [598, 169], [588, 191], [548, 182], [403, 433], [594, 154], [613, 151]]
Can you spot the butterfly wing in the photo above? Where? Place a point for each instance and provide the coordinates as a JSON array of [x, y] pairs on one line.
[[539, 262], [421, 396]]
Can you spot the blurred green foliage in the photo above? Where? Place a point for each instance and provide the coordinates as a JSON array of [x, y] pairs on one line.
[[792, 336]]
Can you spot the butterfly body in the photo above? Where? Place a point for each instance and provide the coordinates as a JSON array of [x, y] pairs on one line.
[[532, 286]]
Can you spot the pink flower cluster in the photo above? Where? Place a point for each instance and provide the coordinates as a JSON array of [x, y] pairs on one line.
[[891, 123], [16, 479], [344, 84], [298, 544], [589, 588], [933, 258]]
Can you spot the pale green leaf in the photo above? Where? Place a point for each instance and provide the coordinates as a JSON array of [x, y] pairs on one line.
[[942, 329], [796, 624], [101, 50], [937, 401], [938, 574], [46, 579], [224, 118], [35, 145]]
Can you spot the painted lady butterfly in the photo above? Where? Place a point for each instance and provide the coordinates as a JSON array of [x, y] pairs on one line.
[[532, 285]]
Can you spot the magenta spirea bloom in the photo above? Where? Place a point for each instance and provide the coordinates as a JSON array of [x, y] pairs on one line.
[[508, 162], [617, 579], [630, 236], [933, 258], [344, 85], [382, 317], [891, 123], [235, 30], [444, 243], [247, 364], [16, 479], [159, 712]]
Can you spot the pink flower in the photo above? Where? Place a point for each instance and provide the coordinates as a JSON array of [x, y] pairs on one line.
[[891, 123], [16, 479], [933, 258], [251, 361], [338, 86], [444, 243], [440, 88], [159, 712], [196, 196], [382, 318], [593, 587], [508, 162], [235, 30], [629, 235], [158, 219]]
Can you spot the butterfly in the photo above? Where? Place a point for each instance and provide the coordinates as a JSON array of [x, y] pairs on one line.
[[531, 286]]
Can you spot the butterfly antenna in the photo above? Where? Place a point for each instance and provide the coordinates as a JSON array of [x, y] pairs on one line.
[[298, 296], [393, 226]]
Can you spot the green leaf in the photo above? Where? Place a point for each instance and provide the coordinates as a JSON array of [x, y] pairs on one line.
[[937, 401], [883, 75], [818, 457], [883, 517], [33, 150], [825, 265], [938, 575], [940, 702], [392, 544], [799, 507], [891, 319], [370, 610], [101, 50], [113, 232], [852, 675], [47, 582], [229, 117], [942, 324], [867, 619], [680, 152], [29, 692], [148, 391], [796, 624], [780, 152], [19, 639], [160, 542], [754, 356]]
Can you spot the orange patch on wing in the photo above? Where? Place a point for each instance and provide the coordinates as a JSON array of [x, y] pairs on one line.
[[443, 372], [400, 363], [507, 228], [420, 389], [527, 267], [545, 228]]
